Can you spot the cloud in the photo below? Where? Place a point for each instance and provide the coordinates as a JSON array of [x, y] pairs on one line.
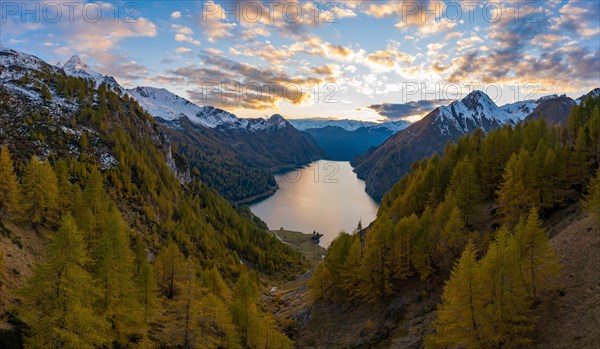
[[427, 16], [390, 57], [266, 51], [251, 34], [580, 17], [176, 15], [131, 70], [323, 70], [184, 34], [511, 55], [99, 41], [469, 42], [185, 38], [213, 51], [183, 50], [548, 41], [315, 46], [212, 24], [407, 111], [250, 19], [167, 60], [240, 85]]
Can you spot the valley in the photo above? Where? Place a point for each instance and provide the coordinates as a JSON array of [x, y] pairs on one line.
[[307, 175]]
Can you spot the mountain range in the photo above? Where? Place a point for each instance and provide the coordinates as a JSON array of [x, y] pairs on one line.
[[235, 156], [238, 156], [272, 144], [383, 166], [342, 140]]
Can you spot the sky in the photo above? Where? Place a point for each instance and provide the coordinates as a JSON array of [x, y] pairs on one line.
[[364, 60]]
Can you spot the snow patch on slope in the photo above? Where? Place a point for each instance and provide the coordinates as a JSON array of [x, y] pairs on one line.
[[161, 103], [168, 106], [521, 109], [346, 124]]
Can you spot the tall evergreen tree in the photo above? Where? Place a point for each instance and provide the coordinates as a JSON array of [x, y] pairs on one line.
[[58, 299], [464, 189], [9, 187], [459, 315], [169, 269], [181, 326], [147, 291], [92, 208], [592, 199], [507, 316], [514, 195], [115, 274], [46, 94], [40, 191], [539, 263]]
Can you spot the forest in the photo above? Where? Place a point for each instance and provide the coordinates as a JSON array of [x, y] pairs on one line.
[[472, 219], [137, 257]]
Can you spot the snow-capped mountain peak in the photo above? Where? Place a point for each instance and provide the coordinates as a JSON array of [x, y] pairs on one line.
[[75, 64], [593, 93], [346, 124], [162, 103], [477, 110], [545, 98]]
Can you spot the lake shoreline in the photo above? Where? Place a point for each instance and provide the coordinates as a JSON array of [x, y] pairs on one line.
[[258, 197], [325, 196]]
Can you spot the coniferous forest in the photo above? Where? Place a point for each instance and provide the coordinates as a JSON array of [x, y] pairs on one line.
[[226, 174], [135, 259], [432, 226]]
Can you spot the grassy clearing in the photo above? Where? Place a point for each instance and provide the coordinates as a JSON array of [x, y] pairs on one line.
[[301, 242]]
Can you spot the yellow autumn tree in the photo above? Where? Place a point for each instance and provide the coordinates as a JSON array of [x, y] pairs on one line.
[[58, 299], [459, 315], [507, 315], [9, 187], [539, 263], [40, 191]]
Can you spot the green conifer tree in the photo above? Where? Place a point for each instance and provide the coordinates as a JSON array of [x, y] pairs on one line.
[[459, 315], [40, 191], [58, 299], [9, 187], [114, 271]]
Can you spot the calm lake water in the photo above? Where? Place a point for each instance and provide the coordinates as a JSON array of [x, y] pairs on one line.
[[325, 196]]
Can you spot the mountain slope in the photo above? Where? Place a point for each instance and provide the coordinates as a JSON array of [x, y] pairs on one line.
[[555, 110], [385, 165], [233, 155], [268, 144], [346, 124], [97, 128], [107, 172], [76, 67], [343, 145], [168, 106], [345, 139]]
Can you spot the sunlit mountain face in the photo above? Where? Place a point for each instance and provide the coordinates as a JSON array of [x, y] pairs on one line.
[[364, 60]]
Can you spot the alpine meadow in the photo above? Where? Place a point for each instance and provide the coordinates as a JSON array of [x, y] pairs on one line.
[[261, 174]]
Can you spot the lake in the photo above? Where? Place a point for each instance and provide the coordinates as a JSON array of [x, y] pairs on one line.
[[325, 196]]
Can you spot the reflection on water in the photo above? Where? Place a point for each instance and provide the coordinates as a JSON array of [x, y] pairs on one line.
[[325, 196]]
